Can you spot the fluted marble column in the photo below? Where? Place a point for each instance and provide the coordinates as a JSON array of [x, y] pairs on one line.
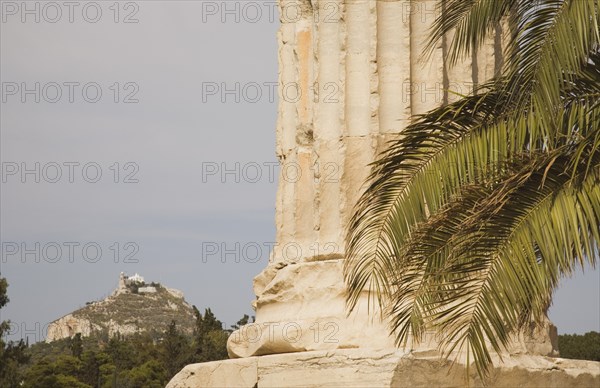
[[352, 74]]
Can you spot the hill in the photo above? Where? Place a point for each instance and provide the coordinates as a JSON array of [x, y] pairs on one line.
[[134, 307]]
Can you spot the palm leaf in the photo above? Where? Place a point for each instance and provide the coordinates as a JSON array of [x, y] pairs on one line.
[[473, 215], [488, 262]]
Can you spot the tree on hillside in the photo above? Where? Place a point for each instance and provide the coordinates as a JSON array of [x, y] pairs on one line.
[[210, 340], [12, 354], [76, 345], [243, 321], [473, 215], [90, 371], [174, 350], [123, 357], [148, 375]]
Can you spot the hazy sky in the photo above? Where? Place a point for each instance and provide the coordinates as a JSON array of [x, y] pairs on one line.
[[116, 124]]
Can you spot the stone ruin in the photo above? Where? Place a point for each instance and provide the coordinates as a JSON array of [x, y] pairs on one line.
[[351, 77]]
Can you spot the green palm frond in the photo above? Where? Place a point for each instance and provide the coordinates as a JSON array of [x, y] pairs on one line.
[[450, 147], [475, 268], [553, 43], [404, 161], [472, 21], [471, 217]]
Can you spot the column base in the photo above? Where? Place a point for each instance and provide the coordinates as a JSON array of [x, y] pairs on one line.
[[364, 368]]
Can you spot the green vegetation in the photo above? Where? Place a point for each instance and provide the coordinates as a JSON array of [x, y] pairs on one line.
[[146, 359], [12, 354], [581, 347], [472, 216]]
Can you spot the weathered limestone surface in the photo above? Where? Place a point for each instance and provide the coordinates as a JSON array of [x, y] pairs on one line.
[[68, 326], [230, 373], [301, 307], [367, 368], [352, 74]]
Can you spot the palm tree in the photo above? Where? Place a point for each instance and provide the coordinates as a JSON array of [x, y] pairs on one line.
[[470, 218]]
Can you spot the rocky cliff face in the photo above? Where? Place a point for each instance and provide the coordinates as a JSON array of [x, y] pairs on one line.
[[126, 312]]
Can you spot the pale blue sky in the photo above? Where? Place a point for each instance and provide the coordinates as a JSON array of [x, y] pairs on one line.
[[163, 61]]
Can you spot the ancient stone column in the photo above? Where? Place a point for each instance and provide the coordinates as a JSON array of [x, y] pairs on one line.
[[352, 74]]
